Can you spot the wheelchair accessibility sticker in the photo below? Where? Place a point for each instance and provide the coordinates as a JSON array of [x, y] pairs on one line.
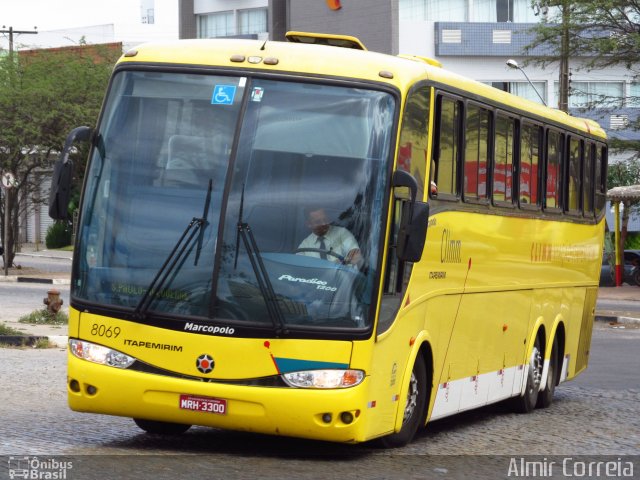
[[223, 94]]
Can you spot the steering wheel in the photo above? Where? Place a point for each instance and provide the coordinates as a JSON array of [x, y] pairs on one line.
[[319, 250]]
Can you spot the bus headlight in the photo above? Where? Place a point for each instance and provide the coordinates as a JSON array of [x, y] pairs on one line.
[[99, 354], [324, 378]]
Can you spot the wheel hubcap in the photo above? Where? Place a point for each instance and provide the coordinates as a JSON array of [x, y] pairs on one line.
[[535, 369], [412, 398]]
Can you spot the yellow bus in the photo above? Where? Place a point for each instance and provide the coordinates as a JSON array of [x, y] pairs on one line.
[[299, 239]]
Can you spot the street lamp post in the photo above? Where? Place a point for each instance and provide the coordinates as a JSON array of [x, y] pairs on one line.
[[513, 64]]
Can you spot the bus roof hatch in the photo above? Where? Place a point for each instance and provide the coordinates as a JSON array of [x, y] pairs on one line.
[[343, 41]]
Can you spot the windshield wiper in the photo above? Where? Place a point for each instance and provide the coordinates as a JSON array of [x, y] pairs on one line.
[[260, 271], [176, 257]]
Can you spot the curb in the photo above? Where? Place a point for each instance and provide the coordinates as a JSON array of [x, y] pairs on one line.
[[616, 319], [32, 340], [17, 279]]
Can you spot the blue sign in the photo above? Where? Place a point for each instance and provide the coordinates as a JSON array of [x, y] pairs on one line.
[[223, 95]]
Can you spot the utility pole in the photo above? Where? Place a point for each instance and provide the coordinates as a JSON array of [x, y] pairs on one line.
[[8, 179], [563, 100], [11, 32]]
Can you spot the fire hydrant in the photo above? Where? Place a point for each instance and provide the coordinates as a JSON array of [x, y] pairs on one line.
[[53, 301]]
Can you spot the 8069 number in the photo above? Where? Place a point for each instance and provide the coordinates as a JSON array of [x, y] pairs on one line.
[[104, 331]]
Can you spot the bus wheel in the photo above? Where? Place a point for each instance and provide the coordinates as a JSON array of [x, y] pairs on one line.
[[414, 410], [162, 428], [545, 398], [527, 402]]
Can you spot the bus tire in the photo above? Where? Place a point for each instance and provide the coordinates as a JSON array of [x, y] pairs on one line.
[[161, 428], [527, 402], [545, 398], [415, 407]]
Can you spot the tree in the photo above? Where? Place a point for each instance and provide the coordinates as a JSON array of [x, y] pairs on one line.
[[43, 95], [602, 33]]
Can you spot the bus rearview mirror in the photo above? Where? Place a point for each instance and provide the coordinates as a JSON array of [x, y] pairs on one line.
[[62, 175], [413, 231]]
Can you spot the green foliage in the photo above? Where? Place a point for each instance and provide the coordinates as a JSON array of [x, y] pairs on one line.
[[58, 235], [7, 330], [602, 32], [623, 173], [44, 94], [44, 317], [633, 241]]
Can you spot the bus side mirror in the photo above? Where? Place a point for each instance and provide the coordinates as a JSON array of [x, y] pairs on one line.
[[62, 175], [413, 231], [413, 223]]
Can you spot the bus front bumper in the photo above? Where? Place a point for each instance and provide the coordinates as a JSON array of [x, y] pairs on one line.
[[333, 415]]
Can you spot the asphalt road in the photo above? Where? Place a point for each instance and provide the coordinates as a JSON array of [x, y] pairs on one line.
[[596, 414]]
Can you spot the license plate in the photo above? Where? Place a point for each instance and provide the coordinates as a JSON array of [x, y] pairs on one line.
[[203, 404]]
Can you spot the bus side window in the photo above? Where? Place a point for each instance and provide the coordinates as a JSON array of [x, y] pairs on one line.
[[600, 178], [530, 141], [414, 136], [587, 180], [412, 158], [553, 173], [447, 150], [503, 160], [573, 182], [476, 153]]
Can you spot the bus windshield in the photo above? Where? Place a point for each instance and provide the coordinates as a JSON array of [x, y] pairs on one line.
[[236, 201]]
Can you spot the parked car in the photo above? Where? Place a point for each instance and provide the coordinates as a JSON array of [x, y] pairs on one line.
[[631, 269]]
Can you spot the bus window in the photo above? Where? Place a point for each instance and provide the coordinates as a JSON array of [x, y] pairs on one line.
[[555, 142], [588, 185], [600, 178], [476, 153], [574, 175], [448, 148], [412, 156], [503, 160], [530, 137]]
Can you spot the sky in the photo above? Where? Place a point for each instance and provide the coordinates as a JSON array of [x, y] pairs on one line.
[[125, 15]]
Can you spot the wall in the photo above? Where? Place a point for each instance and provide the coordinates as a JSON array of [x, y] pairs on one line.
[[374, 22]]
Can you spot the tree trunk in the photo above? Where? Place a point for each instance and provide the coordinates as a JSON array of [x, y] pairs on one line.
[[8, 230]]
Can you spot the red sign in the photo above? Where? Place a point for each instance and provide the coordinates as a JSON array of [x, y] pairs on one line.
[[334, 4]]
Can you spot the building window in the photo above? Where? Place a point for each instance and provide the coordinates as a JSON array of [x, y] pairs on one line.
[[231, 23], [595, 94], [147, 11], [633, 100], [433, 10], [524, 90], [520, 11], [219, 24], [252, 21]]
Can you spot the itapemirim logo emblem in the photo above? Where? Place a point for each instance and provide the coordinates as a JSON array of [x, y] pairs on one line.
[[205, 363]]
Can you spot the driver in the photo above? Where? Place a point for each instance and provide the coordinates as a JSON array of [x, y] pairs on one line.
[[326, 239]]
